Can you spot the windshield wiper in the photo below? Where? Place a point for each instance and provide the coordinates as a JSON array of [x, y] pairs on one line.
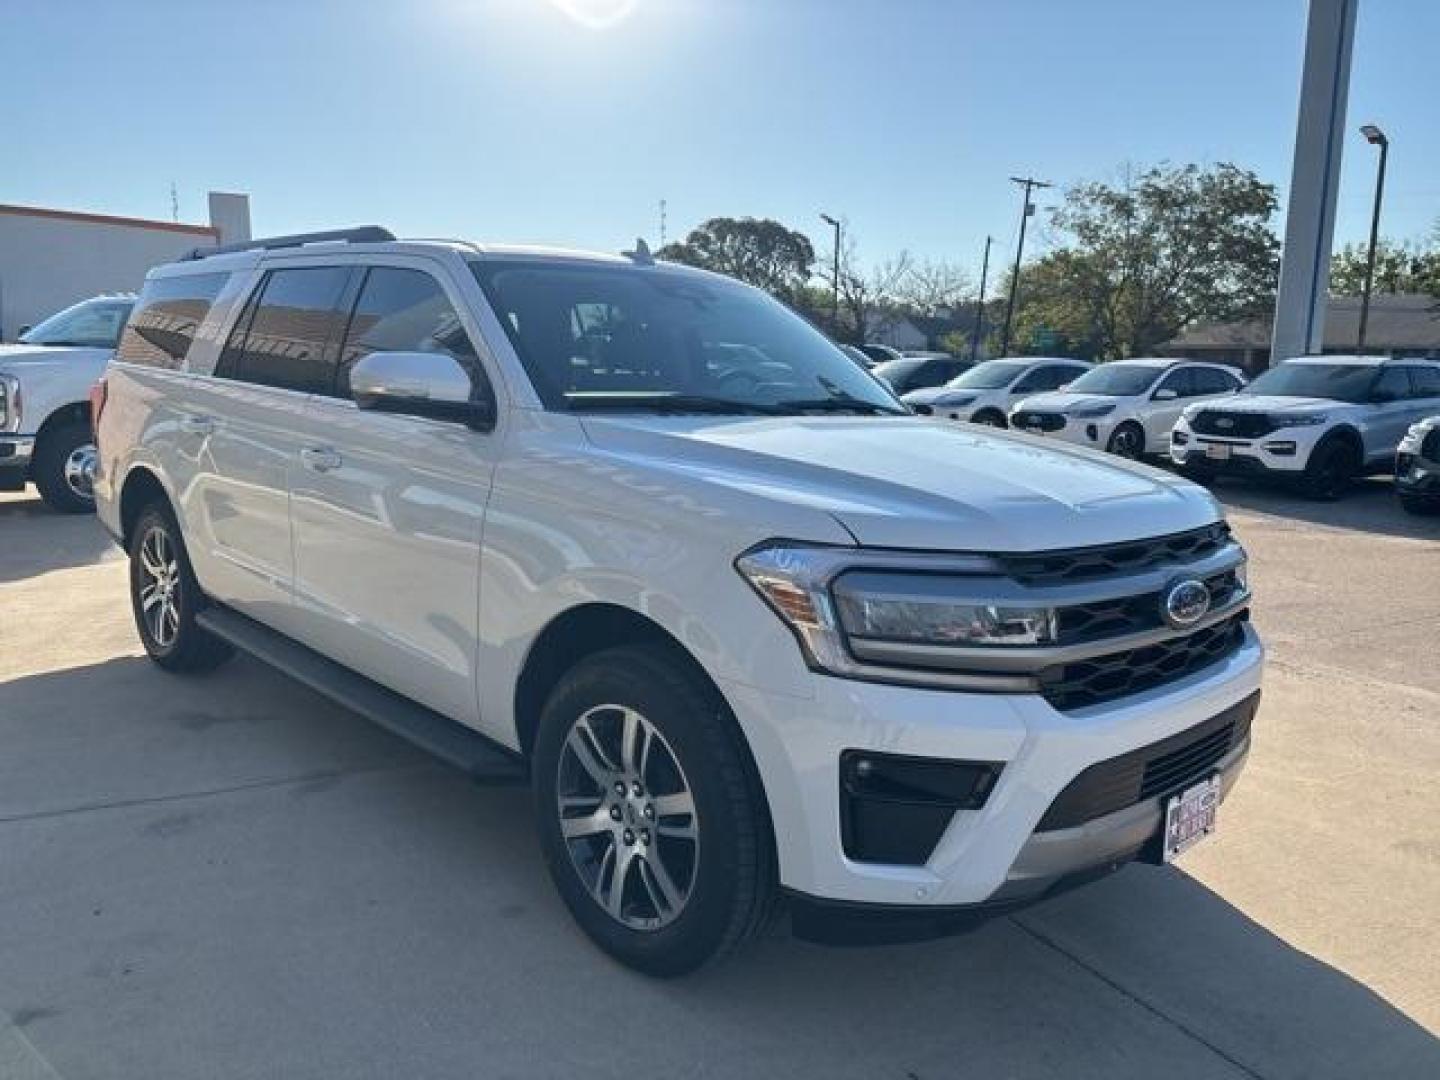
[[841, 403], [673, 403]]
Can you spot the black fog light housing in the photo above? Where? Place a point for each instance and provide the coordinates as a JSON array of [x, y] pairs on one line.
[[1403, 463], [1179, 438], [1281, 449], [894, 809], [1092, 432]]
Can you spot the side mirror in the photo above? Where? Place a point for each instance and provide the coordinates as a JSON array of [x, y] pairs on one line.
[[1166, 394], [24, 330], [432, 385]]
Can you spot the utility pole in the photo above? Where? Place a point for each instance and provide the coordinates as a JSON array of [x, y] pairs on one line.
[[662, 223], [1027, 208], [835, 280], [174, 202], [980, 304], [1375, 137]]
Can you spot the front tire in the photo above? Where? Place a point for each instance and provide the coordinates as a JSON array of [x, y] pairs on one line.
[[64, 468], [651, 819], [1127, 441], [1330, 471], [165, 597], [991, 418]]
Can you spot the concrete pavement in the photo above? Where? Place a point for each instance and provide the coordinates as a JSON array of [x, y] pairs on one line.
[[230, 877]]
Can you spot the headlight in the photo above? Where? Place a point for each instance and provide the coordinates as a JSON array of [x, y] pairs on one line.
[[1299, 421], [958, 401], [9, 403], [1089, 412], [844, 615]]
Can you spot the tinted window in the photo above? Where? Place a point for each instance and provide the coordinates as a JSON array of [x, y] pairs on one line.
[[1117, 379], [1426, 380], [1181, 381], [1212, 381], [166, 317], [622, 337], [1392, 385], [90, 323], [1049, 377], [1338, 382], [287, 339], [405, 311]]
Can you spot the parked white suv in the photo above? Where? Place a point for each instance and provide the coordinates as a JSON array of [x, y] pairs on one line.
[[1318, 421], [986, 393], [640, 533], [45, 382], [1127, 406]]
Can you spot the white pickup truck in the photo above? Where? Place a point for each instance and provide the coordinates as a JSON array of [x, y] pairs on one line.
[[45, 382]]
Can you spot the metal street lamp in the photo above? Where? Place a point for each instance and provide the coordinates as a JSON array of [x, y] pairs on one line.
[[1375, 137], [835, 280]]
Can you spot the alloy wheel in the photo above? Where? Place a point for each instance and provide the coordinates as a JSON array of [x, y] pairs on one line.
[[79, 471], [627, 817], [160, 588], [1126, 443]]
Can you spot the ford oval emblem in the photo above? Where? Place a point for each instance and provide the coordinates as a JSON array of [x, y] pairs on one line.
[[1185, 602]]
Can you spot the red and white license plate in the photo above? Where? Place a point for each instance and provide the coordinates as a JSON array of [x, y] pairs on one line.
[[1190, 816]]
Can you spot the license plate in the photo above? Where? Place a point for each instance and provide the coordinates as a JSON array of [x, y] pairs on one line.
[[1217, 451], [1190, 816]]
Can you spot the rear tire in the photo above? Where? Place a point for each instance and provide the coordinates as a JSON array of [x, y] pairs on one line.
[[1420, 507], [651, 818], [990, 418], [165, 597], [1330, 471], [63, 468]]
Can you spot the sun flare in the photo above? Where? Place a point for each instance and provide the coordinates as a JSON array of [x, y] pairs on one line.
[[597, 14]]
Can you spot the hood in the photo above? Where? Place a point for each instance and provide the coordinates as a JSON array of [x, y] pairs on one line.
[[1059, 401], [936, 395], [16, 358], [908, 482], [1271, 403]]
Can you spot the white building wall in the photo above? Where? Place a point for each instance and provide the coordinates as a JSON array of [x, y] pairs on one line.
[[50, 259]]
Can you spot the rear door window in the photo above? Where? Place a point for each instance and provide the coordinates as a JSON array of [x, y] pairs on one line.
[[401, 310], [288, 335], [1211, 381], [1179, 380], [163, 324], [1426, 380]]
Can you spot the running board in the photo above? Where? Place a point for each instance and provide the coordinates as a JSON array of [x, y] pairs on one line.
[[486, 761]]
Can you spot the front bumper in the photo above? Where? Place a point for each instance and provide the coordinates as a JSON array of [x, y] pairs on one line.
[[15, 454], [1094, 433], [993, 854], [1282, 454]]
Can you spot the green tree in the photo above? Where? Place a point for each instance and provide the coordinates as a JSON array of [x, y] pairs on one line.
[[1399, 268], [756, 250], [1139, 261]]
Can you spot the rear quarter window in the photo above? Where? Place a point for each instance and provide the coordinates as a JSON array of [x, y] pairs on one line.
[[163, 324]]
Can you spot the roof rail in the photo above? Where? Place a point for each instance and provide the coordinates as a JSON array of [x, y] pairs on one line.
[[362, 234]]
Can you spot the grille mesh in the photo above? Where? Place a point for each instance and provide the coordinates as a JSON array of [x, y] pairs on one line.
[[1081, 564]]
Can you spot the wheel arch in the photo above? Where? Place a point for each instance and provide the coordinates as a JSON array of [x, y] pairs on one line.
[[76, 412], [142, 487], [1347, 433]]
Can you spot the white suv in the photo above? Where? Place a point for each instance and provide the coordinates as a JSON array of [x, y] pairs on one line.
[[1318, 421], [640, 533], [45, 382], [1127, 406], [985, 393]]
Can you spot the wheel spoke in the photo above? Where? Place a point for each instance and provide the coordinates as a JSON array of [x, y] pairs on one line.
[[662, 889], [687, 831], [575, 828], [632, 734], [680, 803], [149, 596], [614, 893], [592, 759]]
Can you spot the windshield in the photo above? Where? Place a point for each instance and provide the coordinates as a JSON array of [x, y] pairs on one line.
[[1117, 380], [618, 337], [991, 375], [1337, 382], [92, 323], [893, 370]]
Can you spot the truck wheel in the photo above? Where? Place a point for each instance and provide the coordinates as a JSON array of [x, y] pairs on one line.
[[1127, 441], [651, 819], [166, 597], [1330, 470], [991, 418], [64, 462]]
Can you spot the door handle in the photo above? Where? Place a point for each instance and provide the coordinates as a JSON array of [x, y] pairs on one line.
[[321, 458], [195, 424]]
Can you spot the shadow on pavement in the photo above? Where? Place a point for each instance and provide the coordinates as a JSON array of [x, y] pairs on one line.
[[1370, 506], [290, 893], [35, 539]]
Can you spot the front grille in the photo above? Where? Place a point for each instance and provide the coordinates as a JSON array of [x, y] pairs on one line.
[[1239, 425], [1041, 421], [1080, 564], [1079, 623], [1114, 675], [1156, 771]]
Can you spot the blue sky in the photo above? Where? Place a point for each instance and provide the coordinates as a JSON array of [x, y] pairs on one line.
[[510, 120]]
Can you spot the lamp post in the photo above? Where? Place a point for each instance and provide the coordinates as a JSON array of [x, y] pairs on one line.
[[835, 278], [1375, 137]]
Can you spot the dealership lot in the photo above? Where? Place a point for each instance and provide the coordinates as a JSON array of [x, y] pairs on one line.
[[229, 876]]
